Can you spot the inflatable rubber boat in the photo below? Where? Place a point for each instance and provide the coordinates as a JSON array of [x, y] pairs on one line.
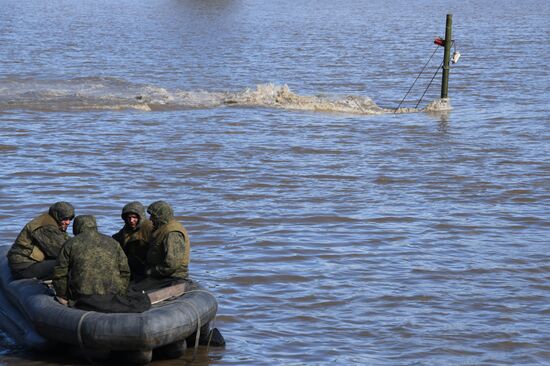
[[31, 316]]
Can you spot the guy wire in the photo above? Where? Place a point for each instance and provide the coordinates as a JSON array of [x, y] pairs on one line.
[[415, 80]]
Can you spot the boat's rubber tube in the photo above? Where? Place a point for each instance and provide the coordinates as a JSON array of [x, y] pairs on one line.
[[165, 323], [15, 325]]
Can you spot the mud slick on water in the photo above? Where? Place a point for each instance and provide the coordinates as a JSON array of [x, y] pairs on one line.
[[114, 94]]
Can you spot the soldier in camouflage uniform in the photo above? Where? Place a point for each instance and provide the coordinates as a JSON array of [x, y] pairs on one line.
[[134, 237], [168, 258], [37, 246], [90, 263], [169, 249]]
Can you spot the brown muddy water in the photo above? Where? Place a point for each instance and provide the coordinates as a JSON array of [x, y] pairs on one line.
[[329, 229]]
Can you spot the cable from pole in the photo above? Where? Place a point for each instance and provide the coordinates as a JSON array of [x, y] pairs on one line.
[[415, 80], [428, 87], [431, 81]]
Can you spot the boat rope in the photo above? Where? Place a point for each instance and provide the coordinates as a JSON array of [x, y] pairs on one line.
[[79, 328], [415, 80], [197, 337], [198, 333], [79, 335], [211, 331], [199, 325]]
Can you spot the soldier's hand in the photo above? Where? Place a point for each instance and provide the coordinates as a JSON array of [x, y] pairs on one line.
[[61, 300]]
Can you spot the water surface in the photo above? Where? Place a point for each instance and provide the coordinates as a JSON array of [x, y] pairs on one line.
[[329, 229]]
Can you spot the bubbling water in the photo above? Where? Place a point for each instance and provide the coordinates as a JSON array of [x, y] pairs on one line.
[[114, 94]]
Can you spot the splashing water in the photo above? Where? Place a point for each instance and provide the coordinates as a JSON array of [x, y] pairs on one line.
[[115, 94], [274, 96]]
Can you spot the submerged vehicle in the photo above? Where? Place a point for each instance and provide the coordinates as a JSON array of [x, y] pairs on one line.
[[31, 316]]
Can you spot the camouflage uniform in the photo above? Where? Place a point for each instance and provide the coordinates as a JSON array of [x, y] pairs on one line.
[[90, 263], [170, 247], [41, 239], [135, 242]]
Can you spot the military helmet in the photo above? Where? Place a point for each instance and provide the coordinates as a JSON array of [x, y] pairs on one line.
[[61, 210]]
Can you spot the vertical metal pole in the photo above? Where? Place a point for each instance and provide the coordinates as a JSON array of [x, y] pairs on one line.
[[447, 56]]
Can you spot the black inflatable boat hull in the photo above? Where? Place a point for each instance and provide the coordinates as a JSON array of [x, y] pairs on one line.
[[32, 317]]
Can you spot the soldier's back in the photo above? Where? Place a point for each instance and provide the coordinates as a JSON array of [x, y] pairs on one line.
[[96, 265]]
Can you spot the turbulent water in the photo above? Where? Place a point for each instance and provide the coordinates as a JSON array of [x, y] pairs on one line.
[[330, 228], [112, 94]]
